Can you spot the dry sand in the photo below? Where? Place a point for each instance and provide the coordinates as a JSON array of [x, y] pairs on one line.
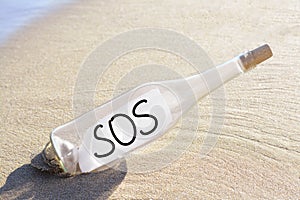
[[258, 152]]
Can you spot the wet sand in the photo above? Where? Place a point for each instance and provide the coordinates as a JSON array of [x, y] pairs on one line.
[[257, 155]]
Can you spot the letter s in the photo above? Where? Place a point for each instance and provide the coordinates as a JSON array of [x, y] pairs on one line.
[[103, 139], [145, 115]]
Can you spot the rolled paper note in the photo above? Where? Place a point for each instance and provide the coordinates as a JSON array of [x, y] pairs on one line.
[[109, 132]]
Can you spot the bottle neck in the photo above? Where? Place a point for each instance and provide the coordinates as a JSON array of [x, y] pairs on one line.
[[206, 82]]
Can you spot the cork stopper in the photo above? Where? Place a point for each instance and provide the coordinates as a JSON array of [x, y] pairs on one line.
[[251, 58]]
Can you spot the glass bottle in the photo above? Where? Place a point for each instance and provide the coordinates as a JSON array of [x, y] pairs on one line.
[[107, 133]]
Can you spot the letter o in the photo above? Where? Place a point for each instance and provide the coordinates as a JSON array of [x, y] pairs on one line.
[[113, 133]]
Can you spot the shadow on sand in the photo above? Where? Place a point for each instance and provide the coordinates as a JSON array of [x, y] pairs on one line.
[[27, 182]]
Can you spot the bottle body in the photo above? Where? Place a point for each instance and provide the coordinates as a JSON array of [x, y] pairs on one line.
[[133, 119]]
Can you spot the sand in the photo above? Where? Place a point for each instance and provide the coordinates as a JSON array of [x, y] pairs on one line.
[[257, 155]]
